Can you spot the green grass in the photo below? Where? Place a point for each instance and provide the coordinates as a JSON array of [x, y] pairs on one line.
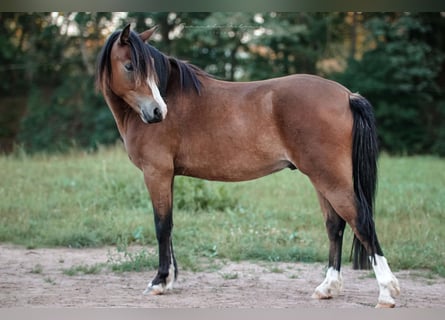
[[123, 260], [229, 276], [86, 200], [38, 269], [83, 269]]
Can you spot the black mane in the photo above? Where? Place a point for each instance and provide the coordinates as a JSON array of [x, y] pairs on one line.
[[165, 67]]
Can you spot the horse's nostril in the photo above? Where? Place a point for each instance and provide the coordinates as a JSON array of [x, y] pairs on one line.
[[157, 113]]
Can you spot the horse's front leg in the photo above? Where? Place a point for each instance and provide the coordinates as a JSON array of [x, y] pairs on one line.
[[160, 189]]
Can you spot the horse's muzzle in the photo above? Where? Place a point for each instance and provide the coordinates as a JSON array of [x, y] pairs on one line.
[[151, 114]]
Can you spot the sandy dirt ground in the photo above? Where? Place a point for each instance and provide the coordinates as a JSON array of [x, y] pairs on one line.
[[36, 278]]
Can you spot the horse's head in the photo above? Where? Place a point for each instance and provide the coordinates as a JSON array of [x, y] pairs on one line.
[[127, 69]]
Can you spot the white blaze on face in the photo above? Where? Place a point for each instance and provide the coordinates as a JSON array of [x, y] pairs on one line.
[[157, 96]]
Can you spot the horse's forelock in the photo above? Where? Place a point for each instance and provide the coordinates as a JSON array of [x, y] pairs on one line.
[[140, 57], [103, 65]]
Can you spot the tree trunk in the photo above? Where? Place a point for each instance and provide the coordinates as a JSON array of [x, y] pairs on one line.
[[353, 34]]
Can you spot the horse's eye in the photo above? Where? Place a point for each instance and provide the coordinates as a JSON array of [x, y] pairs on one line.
[[128, 67]]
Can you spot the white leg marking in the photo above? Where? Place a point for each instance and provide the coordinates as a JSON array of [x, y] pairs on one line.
[[154, 289], [171, 275], [162, 288], [331, 286], [157, 96], [388, 283]]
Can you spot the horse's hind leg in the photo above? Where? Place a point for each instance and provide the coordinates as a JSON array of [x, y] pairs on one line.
[[335, 225], [339, 193]]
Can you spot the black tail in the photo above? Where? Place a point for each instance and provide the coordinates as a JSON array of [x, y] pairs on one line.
[[364, 169]]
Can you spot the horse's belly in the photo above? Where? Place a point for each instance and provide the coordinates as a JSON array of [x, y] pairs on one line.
[[242, 147], [232, 170]]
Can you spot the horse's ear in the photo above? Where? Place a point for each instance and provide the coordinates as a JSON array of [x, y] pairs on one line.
[[125, 34], [146, 35]]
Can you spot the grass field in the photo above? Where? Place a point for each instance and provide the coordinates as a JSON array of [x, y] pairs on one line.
[[82, 200]]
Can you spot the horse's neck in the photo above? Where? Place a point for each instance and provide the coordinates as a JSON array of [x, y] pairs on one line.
[[120, 111]]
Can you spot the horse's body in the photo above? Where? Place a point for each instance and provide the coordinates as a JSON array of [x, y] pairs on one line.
[[228, 131], [212, 137]]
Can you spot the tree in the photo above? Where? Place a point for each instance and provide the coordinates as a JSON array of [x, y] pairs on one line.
[[293, 43], [62, 106], [16, 40], [398, 75]]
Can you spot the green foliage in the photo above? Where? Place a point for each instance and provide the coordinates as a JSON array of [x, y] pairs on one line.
[[125, 261], [83, 269], [198, 195], [229, 276], [38, 269], [71, 115], [399, 77], [295, 42], [437, 130]]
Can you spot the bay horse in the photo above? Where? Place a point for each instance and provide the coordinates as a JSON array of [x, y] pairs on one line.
[[175, 119]]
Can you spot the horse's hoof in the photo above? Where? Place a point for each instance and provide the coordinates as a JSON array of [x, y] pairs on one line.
[[321, 296], [384, 305], [154, 290], [330, 287]]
